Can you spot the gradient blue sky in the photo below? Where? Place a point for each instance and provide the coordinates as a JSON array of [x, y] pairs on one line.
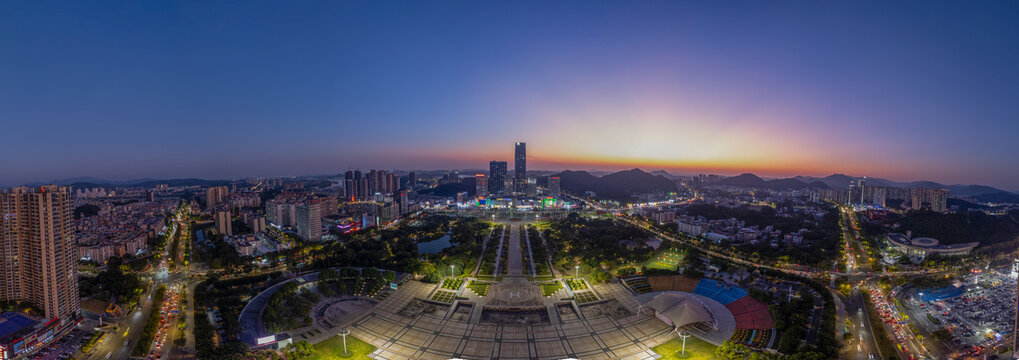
[[219, 89]]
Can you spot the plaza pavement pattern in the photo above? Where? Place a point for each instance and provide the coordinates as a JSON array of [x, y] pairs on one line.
[[437, 335]]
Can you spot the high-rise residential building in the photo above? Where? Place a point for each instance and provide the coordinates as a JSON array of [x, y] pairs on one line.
[[309, 220], [930, 199], [520, 167], [330, 206], [224, 222], [480, 185], [355, 186], [215, 195], [349, 186], [38, 254], [496, 177], [861, 185], [553, 186], [257, 224], [412, 180], [403, 201]]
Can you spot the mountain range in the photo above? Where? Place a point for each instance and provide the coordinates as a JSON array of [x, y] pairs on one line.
[[90, 182], [751, 180], [980, 192], [617, 185]]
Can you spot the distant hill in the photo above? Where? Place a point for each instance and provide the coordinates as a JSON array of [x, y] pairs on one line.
[[982, 193], [617, 186], [751, 180], [89, 182], [745, 179]]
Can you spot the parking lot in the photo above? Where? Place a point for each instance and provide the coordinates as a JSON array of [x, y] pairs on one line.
[[64, 348], [977, 319]]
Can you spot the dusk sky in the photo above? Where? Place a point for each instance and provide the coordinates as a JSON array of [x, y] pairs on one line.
[[218, 89]]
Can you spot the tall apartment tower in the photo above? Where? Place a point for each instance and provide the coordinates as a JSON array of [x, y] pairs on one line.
[[929, 198], [349, 186], [309, 220], [38, 254], [224, 222], [862, 185], [480, 185], [215, 195], [520, 167], [496, 177], [553, 186]]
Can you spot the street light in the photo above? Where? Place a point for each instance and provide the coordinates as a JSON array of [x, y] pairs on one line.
[[577, 272], [684, 335], [344, 333], [451, 270]]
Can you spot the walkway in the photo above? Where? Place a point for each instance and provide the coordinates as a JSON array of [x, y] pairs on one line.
[[530, 253], [514, 266], [498, 253]]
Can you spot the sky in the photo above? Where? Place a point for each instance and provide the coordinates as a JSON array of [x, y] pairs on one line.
[[917, 90]]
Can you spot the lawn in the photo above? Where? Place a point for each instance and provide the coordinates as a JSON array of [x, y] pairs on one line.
[[696, 349], [550, 288], [480, 288], [332, 348], [452, 283], [576, 284]]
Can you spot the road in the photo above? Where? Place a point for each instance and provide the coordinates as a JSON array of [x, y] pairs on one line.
[[129, 328], [856, 304], [862, 344]]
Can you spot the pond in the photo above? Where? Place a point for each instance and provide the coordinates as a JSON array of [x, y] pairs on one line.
[[434, 246]]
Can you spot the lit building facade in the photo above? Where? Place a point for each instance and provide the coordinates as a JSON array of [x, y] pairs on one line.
[[38, 250]]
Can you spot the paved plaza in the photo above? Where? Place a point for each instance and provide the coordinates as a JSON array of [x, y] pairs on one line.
[[586, 332]]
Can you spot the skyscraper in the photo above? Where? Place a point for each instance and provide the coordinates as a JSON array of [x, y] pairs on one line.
[[309, 220], [520, 167], [480, 185], [862, 185], [38, 261], [349, 186], [496, 177], [553, 186], [412, 180]]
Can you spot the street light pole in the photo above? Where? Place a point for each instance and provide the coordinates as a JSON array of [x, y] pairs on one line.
[[344, 333], [684, 336]]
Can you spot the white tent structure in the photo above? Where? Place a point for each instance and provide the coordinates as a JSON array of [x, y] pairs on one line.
[[681, 310]]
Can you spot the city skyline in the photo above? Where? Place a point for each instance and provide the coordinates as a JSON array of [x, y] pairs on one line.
[[230, 90]]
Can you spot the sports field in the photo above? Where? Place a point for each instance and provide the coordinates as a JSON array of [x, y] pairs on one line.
[[665, 260]]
